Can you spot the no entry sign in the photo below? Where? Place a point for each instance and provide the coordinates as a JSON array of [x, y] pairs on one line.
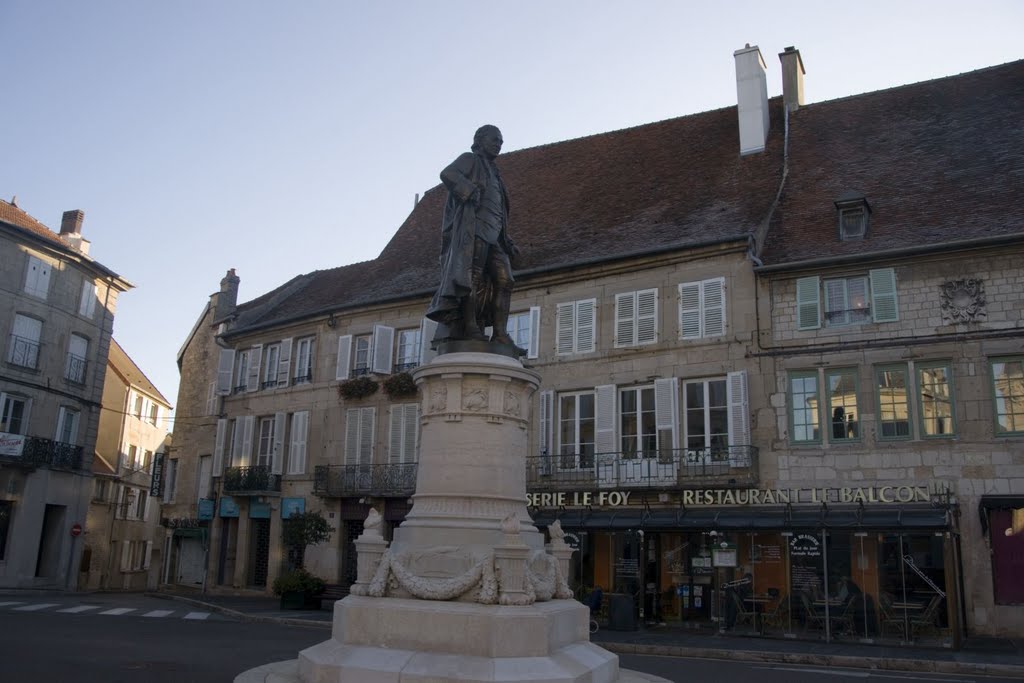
[[76, 530]]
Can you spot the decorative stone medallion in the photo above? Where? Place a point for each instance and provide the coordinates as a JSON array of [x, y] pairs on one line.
[[963, 301]]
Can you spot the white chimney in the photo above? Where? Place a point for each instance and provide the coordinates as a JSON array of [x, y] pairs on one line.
[[752, 99], [792, 78]]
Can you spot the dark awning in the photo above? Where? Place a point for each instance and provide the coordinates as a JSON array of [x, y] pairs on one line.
[[750, 519]]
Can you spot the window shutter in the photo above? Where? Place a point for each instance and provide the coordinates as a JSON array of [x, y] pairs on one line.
[[87, 303], [297, 452], [395, 454], [218, 447], [248, 426], [625, 319], [148, 556], [252, 382], [412, 432], [533, 350], [647, 316], [284, 365], [739, 417], [808, 309], [689, 310], [383, 349], [427, 330], [146, 507], [666, 409], [225, 366], [565, 323], [884, 304], [585, 333], [352, 436], [367, 419], [37, 280], [344, 356], [604, 420], [277, 452], [126, 548], [713, 302]]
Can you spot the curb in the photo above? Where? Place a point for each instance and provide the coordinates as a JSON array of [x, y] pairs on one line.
[[243, 616]]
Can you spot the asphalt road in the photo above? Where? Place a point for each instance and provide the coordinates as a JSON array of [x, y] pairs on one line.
[[135, 638]]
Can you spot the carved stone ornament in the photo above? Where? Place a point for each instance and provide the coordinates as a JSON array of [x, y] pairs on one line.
[[512, 405], [963, 301], [475, 400], [439, 399]]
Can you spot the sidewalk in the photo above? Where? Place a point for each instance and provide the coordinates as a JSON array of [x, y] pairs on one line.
[[979, 656]]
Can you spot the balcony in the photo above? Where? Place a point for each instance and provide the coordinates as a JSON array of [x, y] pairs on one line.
[[24, 352], [74, 369], [39, 452], [255, 480], [663, 470], [341, 481]]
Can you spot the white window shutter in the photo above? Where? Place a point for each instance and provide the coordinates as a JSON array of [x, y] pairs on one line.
[[87, 304], [126, 548], [277, 454], [427, 330], [625, 319], [383, 349], [352, 436], [689, 310], [252, 382], [396, 433], [713, 303], [412, 432], [533, 351], [586, 333], [739, 416], [808, 308], [145, 510], [148, 556], [284, 365], [604, 419], [248, 426], [565, 328], [218, 447], [884, 305], [367, 423], [225, 366], [647, 316], [297, 451], [344, 356], [666, 409]]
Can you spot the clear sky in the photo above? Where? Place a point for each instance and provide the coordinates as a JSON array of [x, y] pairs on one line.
[[284, 137]]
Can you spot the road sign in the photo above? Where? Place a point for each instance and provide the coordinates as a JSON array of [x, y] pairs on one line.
[[76, 530]]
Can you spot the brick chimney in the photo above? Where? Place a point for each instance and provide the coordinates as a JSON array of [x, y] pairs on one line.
[[225, 301], [792, 78], [71, 230], [752, 99]]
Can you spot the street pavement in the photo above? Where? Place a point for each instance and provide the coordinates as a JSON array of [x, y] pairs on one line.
[[978, 657]]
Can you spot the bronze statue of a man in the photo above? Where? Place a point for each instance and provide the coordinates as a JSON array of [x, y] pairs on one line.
[[476, 251]]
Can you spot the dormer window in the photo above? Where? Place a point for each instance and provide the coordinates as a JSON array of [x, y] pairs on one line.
[[853, 211]]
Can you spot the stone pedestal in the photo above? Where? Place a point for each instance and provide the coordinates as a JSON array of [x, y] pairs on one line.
[[466, 592]]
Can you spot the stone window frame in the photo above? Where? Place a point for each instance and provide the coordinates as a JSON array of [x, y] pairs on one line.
[[995, 398], [919, 370], [909, 404], [791, 405], [829, 431]]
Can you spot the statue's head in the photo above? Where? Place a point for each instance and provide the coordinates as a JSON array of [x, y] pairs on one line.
[[488, 140]]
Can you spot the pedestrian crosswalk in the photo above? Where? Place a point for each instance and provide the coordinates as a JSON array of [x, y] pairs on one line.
[[102, 610]]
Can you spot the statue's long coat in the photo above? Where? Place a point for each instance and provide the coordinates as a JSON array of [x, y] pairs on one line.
[[458, 234]]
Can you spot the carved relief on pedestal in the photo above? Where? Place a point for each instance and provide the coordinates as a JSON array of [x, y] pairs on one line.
[[963, 301], [474, 399], [512, 404], [438, 398]]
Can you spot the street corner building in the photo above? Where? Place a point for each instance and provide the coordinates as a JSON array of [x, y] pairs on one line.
[[782, 372], [57, 315]]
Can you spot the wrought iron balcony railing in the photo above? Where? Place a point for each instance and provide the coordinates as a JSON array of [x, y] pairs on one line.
[[23, 352], [39, 452], [405, 367], [339, 481], [659, 470], [253, 480], [304, 378], [74, 369]]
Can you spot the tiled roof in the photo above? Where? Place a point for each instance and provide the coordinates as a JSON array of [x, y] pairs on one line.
[[670, 184], [939, 161]]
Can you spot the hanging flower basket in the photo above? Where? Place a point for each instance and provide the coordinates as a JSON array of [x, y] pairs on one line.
[[357, 387], [400, 385]]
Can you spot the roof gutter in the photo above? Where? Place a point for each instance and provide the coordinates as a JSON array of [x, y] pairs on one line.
[[976, 243]]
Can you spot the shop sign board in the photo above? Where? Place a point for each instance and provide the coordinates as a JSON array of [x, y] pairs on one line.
[[205, 509], [11, 445], [228, 507], [259, 510], [805, 545], [290, 506]]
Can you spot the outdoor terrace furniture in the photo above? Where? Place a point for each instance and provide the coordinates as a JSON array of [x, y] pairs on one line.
[[927, 619], [777, 616], [889, 618], [813, 617], [744, 614]]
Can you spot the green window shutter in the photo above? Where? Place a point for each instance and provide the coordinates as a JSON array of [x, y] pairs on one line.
[[884, 305], [808, 304]]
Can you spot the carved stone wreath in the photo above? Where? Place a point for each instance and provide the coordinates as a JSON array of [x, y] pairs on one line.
[[963, 301]]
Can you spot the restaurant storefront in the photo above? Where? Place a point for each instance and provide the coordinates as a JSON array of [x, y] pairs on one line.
[[871, 564]]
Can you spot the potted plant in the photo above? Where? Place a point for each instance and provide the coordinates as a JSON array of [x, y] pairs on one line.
[[297, 587], [357, 387], [400, 385]]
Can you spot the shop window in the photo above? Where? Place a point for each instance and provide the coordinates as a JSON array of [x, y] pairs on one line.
[[844, 417], [893, 402], [804, 408], [1008, 394], [935, 399], [576, 430]]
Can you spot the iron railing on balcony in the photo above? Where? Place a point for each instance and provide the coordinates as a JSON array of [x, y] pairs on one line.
[[254, 479], [661, 470], [338, 481], [74, 369], [23, 352], [40, 452]]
